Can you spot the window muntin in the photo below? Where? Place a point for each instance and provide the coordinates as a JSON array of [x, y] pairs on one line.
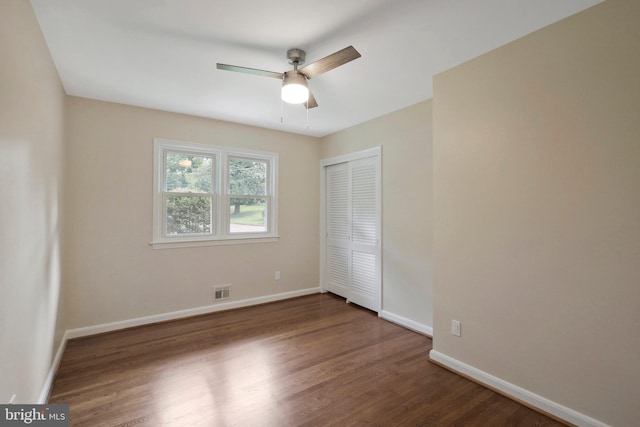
[[211, 194]]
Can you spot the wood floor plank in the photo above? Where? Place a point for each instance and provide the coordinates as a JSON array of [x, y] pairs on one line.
[[309, 361]]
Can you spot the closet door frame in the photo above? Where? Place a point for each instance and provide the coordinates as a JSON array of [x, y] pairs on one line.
[[376, 153]]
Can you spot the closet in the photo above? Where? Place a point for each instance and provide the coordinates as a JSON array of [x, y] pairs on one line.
[[351, 221]]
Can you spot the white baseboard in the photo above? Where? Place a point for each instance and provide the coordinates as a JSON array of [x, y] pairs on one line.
[[48, 382], [407, 323], [516, 392], [123, 324]]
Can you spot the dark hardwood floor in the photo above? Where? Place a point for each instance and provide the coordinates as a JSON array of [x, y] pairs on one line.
[[310, 361]]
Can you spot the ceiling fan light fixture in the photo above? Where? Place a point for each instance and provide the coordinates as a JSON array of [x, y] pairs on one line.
[[294, 88]]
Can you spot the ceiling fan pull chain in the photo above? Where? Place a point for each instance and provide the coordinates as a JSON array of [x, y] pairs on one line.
[[307, 105], [281, 111]]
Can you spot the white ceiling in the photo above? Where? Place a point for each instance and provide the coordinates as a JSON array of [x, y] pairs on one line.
[[162, 54]]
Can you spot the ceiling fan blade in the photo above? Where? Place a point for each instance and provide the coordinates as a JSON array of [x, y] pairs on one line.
[[330, 62], [250, 71], [311, 103]]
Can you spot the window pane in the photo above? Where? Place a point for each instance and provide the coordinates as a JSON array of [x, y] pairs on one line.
[[188, 173], [248, 215], [188, 215], [247, 177]]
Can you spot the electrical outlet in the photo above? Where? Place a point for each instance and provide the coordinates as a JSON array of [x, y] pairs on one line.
[[455, 327], [277, 275]]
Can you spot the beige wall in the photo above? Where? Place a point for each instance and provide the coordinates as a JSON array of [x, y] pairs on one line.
[[537, 212], [405, 137], [113, 273], [31, 140]]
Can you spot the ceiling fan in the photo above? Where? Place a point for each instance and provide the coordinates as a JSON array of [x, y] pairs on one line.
[[295, 89]]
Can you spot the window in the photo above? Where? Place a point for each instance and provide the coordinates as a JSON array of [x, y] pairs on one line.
[[188, 197], [248, 199], [206, 195]]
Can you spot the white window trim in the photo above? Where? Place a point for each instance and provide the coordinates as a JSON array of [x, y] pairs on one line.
[[220, 234]]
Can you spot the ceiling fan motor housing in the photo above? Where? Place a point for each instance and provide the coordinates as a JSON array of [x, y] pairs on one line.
[[296, 56]]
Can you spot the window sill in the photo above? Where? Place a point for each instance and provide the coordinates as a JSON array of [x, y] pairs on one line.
[[243, 240]]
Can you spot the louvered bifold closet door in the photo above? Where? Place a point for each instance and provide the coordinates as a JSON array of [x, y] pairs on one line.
[[364, 256], [338, 230]]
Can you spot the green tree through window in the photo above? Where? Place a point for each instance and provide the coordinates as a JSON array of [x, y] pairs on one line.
[[189, 206], [247, 177], [208, 194]]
